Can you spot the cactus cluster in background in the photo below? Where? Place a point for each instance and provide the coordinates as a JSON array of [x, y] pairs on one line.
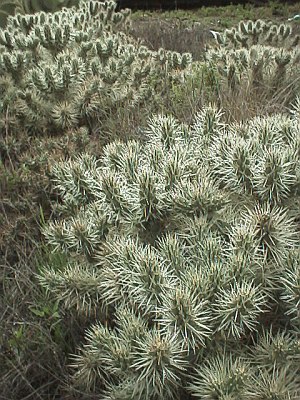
[[68, 69], [10, 7], [257, 55], [187, 250], [251, 33]]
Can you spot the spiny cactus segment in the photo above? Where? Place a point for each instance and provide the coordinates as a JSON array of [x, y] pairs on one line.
[[187, 248]]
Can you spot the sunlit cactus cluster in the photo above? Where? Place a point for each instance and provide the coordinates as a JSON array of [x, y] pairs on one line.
[[70, 68], [250, 33], [257, 54], [186, 248], [10, 7]]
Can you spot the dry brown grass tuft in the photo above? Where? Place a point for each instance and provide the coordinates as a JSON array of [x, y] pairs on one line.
[[175, 34]]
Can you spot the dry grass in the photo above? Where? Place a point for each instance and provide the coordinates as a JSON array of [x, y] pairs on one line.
[[172, 34]]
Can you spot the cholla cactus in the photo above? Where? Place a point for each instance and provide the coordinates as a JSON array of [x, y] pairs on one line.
[[33, 6], [70, 68], [262, 68], [251, 33], [188, 245], [258, 55], [10, 7]]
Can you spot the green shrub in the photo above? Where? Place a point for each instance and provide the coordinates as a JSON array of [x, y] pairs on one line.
[[186, 248], [72, 68]]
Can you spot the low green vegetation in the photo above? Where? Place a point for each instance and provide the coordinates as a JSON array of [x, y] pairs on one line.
[[150, 181]]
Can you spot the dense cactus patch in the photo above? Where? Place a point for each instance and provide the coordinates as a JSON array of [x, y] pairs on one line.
[[70, 69], [187, 248], [147, 260]]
